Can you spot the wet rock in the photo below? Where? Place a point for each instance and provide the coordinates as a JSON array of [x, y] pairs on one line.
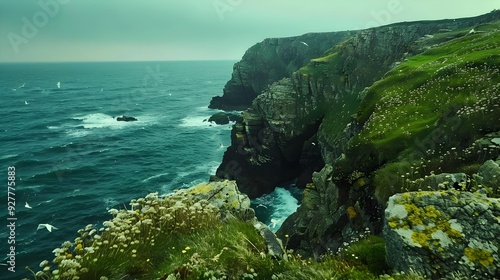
[[225, 118], [126, 119]]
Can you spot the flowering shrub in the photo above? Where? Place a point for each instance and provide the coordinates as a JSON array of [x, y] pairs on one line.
[[128, 240]]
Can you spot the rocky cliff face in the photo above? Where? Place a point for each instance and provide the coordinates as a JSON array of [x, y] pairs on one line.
[[384, 110], [270, 61], [268, 148]]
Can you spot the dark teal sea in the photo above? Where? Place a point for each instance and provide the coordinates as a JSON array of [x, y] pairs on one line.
[[74, 161]]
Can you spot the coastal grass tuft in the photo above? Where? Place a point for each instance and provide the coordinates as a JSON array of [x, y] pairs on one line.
[[369, 252]]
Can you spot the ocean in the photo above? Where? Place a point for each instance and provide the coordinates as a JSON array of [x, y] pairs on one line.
[[74, 161]]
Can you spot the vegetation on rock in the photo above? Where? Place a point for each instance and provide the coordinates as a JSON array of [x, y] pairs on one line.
[[173, 238]]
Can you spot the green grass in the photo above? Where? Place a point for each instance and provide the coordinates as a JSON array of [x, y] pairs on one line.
[[369, 252], [172, 238], [441, 99]]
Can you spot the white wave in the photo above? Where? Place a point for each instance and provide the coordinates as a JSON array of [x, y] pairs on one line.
[[177, 184], [155, 176], [8, 156], [281, 203], [109, 202], [212, 167], [202, 122], [197, 121], [45, 202], [77, 133], [99, 120]]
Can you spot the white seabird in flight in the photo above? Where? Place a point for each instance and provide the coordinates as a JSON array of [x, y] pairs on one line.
[[47, 226]]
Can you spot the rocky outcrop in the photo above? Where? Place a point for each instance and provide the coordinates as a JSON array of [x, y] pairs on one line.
[[259, 161], [440, 233], [311, 111], [226, 197], [327, 216], [225, 118]]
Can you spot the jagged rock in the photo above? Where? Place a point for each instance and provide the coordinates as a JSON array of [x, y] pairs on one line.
[[274, 245], [321, 101], [438, 233], [329, 86], [250, 160], [316, 226], [222, 194], [225, 117], [489, 176]]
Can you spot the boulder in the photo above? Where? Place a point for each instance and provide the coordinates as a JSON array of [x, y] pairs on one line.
[[438, 233], [489, 176], [444, 181], [222, 194]]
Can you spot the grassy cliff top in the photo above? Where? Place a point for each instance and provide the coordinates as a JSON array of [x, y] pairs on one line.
[[432, 105]]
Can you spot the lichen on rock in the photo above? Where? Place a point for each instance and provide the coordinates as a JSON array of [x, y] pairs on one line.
[[443, 232]]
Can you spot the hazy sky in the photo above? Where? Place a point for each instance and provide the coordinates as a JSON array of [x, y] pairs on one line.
[[126, 30]]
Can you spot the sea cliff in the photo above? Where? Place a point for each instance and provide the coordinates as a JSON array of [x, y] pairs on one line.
[[382, 111], [393, 134]]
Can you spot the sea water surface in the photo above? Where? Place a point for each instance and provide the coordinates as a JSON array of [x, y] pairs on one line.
[[74, 160]]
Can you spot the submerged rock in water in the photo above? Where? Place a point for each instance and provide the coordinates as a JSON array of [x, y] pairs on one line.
[[439, 233], [126, 119]]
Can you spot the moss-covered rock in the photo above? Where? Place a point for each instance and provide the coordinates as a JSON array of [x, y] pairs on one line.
[[489, 176], [438, 233]]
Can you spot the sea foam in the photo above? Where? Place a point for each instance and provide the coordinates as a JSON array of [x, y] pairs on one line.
[[272, 209]]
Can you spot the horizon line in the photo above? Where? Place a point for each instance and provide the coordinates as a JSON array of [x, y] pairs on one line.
[[113, 61]]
